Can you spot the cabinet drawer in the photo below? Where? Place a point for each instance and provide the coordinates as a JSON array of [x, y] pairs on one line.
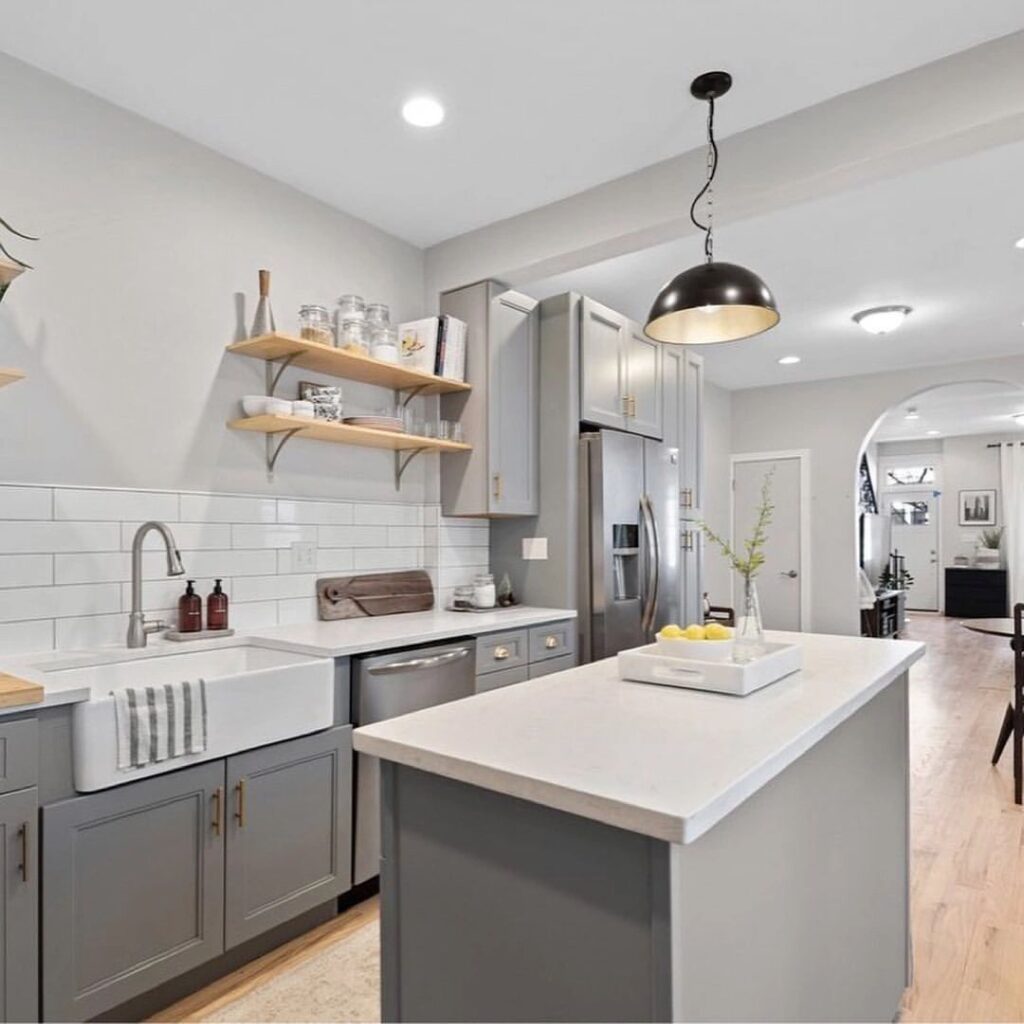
[[496, 651], [552, 641], [506, 677], [546, 668], [19, 754]]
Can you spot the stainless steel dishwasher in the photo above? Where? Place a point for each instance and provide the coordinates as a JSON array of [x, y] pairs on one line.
[[386, 686]]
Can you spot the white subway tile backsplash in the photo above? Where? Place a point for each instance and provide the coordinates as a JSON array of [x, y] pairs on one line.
[[58, 602], [275, 535], [26, 637], [26, 570], [45, 538], [105, 505], [267, 588], [26, 502], [224, 508], [387, 515], [65, 561], [314, 512], [188, 537]]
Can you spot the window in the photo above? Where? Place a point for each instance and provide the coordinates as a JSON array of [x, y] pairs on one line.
[[911, 513], [910, 476]]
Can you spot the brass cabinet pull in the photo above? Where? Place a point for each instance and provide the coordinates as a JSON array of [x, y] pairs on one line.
[[501, 653], [632, 406], [551, 642], [23, 866], [240, 803], [497, 486], [625, 405], [218, 810], [687, 540], [687, 497]]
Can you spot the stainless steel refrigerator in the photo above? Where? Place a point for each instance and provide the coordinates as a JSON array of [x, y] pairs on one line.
[[629, 535]]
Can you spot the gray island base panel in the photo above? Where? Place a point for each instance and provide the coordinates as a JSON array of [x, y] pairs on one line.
[[794, 906]]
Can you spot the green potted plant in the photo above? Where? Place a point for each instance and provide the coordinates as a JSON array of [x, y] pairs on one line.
[[747, 562], [988, 555]]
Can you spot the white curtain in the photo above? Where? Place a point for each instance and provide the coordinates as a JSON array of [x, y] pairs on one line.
[[1011, 465]]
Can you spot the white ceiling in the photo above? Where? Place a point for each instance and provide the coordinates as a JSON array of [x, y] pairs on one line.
[[545, 97], [956, 409], [940, 240]]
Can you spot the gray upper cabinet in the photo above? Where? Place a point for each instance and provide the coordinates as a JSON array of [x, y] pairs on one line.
[[19, 910], [620, 372], [500, 477], [134, 889], [289, 831], [691, 441]]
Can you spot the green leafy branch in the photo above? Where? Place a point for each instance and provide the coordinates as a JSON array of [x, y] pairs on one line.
[[749, 562]]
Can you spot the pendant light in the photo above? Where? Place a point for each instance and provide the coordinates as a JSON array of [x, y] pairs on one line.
[[712, 301]]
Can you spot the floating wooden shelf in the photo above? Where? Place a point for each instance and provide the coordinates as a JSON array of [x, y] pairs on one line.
[[344, 433], [9, 375], [336, 362]]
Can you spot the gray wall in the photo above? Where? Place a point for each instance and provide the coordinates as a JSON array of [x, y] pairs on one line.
[[832, 419], [146, 239]]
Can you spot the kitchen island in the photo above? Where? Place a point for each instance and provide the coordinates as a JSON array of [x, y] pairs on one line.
[[582, 848]]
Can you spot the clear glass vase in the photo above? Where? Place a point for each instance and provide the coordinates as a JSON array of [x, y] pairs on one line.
[[749, 634]]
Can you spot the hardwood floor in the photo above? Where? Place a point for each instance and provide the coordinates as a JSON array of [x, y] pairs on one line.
[[968, 848]]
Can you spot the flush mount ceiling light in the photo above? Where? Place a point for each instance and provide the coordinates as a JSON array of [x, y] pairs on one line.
[[1019, 243], [881, 319], [912, 413], [789, 360], [711, 302], [1019, 419], [933, 433], [423, 112]]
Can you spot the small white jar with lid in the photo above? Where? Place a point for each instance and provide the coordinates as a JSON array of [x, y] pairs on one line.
[[483, 591]]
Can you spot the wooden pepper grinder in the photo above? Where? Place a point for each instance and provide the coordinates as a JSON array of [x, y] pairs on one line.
[[263, 321]]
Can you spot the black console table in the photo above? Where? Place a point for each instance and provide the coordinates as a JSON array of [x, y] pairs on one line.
[[976, 593]]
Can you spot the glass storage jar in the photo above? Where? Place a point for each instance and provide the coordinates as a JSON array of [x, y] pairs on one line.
[[463, 596], [315, 325], [352, 337], [351, 307], [384, 343], [378, 315], [483, 591]]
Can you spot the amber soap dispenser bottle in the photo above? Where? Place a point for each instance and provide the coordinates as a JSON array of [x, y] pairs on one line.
[[217, 608], [190, 610]]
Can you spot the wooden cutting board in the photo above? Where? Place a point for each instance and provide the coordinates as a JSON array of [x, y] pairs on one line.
[[15, 691]]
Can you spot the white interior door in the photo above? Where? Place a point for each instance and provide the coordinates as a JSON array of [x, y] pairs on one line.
[[915, 535], [780, 584]]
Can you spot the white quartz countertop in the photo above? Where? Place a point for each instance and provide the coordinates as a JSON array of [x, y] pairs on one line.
[[318, 639], [659, 760]]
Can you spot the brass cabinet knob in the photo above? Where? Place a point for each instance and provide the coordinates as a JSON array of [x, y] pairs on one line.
[[551, 642], [501, 653]]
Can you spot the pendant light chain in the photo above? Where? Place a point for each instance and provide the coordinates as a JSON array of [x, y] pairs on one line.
[[707, 190]]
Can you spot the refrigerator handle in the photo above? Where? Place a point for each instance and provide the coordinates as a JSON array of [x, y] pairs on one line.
[[653, 553]]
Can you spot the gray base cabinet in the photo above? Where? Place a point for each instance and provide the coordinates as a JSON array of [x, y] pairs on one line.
[[151, 879], [134, 890], [19, 910], [288, 833]]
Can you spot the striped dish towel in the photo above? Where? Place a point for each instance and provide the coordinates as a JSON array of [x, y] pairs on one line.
[[155, 723]]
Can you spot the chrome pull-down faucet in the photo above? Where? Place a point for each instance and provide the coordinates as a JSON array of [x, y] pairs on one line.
[[138, 627]]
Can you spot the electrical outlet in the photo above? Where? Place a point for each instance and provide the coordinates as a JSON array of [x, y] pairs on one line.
[[303, 556], [535, 548]]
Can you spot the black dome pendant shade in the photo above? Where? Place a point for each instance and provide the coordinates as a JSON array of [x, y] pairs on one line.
[[713, 301]]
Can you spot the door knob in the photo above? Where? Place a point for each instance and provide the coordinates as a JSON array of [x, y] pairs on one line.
[[791, 573]]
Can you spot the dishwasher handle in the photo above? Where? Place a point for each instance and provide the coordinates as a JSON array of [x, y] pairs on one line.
[[415, 664]]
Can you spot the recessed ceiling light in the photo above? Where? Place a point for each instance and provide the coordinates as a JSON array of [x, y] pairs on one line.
[[881, 319], [1019, 243], [423, 112], [789, 360], [912, 413], [933, 433], [1019, 419]]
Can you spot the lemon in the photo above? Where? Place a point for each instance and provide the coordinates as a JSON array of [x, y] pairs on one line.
[[716, 631], [694, 632], [671, 632]]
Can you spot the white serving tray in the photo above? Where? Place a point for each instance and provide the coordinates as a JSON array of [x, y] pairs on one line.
[[650, 665]]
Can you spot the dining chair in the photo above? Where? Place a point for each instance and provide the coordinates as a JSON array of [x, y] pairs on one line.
[[1013, 719]]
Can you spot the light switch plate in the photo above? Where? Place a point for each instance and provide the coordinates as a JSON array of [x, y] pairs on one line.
[[535, 549], [303, 556]]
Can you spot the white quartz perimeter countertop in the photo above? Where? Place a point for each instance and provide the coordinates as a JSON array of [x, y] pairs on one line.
[[663, 761], [318, 639], [386, 632]]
